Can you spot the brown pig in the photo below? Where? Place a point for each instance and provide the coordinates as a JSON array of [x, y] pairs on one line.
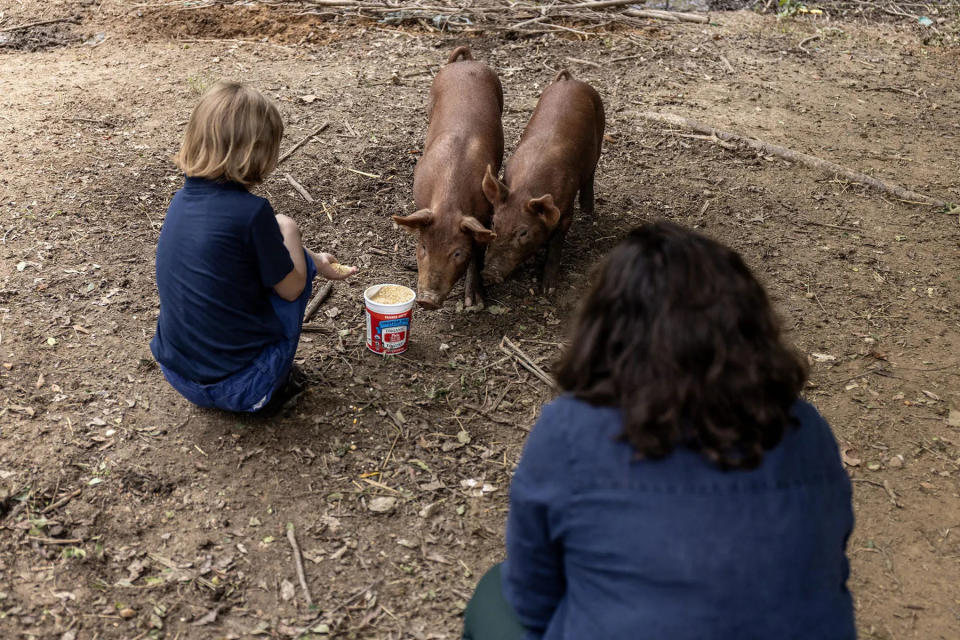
[[557, 157], [464, 137]]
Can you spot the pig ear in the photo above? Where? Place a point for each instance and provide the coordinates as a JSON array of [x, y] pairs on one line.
[[479, 232], [494, 190], [544, 208], [416, 220]]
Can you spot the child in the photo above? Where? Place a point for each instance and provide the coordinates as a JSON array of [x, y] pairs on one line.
[[233, 277], [680, 488]]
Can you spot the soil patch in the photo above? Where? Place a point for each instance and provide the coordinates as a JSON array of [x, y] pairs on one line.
[[128, 513]]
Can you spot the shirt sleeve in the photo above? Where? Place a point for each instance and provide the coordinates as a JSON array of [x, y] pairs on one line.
[[273, 259], [533, 577]]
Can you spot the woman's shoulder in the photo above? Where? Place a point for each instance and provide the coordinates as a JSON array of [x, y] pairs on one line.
[[578, 417], [574, 429]]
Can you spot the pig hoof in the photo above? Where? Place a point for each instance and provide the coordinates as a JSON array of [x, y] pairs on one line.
[[473, 304]]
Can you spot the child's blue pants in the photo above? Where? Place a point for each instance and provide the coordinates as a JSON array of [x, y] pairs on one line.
[[250, 389]]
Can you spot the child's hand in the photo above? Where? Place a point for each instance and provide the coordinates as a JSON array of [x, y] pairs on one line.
[[329, 268]]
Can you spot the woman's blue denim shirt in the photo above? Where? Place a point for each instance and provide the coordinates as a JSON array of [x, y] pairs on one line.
[[604, 546]]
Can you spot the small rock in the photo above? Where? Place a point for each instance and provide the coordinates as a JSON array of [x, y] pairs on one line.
[[874, 466], [895, 462], [127, 613]]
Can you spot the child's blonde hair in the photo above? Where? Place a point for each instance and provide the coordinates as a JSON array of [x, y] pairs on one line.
[[233, 134]]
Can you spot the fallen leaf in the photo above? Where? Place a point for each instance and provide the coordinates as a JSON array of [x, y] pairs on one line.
[[287, 590], [430, 510], [849, 457], [382, 504], [21, 266], [208, 617], [436, 557], [497, 310], [931, 395], [309, 98], [953, 419], [823, 357]]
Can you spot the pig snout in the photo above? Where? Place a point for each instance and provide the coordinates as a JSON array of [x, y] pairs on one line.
[[429, 300]]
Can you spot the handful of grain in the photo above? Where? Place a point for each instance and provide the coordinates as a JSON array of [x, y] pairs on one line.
[[342, 269], [392, 294]]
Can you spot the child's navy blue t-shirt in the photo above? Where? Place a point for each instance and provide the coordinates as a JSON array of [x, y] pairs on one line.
[[219, 255]]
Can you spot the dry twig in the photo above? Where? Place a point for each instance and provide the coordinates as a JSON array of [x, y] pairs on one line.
[[62, 501], [318, 299], [41, 23], [316, 131], [669, 16], [299, 187], [298, 559], [510, 348]]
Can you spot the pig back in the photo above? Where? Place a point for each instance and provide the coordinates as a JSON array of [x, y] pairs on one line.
[[464, 135], [560, 146], [573, 109], [466, 99]]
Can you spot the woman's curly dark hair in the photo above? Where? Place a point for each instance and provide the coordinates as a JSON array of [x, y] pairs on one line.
[[678, 334]]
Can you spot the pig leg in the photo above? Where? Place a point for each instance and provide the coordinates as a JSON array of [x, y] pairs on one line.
[[586, 195], [551, 265], [473, 285]]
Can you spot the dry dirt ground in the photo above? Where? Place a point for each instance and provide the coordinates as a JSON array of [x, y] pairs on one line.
[[126, 513]]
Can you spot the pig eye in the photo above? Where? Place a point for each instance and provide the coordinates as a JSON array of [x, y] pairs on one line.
[[522, 233]]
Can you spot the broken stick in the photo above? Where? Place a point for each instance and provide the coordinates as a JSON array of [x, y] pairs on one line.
[[299, 187], [669, 16], [318, 299], [62, 501], [508, 347], [298, 559], [30, 25], [813, 162], [316, 131]]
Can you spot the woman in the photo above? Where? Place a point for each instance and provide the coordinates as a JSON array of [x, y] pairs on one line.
[[680, 488]]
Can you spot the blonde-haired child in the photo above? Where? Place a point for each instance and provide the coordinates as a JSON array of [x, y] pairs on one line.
[[233, 277]]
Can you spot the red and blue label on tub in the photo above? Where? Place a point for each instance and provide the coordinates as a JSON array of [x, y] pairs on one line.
[[387, 333]]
